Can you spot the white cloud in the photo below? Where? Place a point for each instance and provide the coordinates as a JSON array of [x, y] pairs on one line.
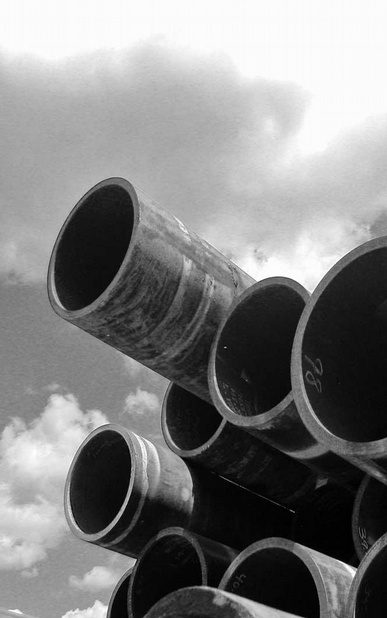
[[34, 459], [98, 578], [30, 573], [98, 610], [141, 402]]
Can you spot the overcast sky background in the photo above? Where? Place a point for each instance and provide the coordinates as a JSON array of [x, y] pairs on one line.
[[262, 125]]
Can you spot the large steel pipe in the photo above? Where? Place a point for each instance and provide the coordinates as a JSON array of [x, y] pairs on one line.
[[249, 373], [369, 517], [118, 604], [205, 602], [339, 359], [121, 490], [194, 430], [368, 593], [132, 275], [290, 577], [175, 558]]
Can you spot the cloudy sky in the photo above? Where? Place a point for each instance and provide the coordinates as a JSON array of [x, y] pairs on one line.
[[262, 125]]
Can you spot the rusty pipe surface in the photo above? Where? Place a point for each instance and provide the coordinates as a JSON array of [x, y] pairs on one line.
[[206, 602], [122, 489], [175, 558], [369, 517], [339, 359], [288, 576], [368, 593], [118, 603], [132, 275], [249, 373], [194, 430]]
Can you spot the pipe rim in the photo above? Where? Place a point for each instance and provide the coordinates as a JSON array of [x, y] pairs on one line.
[[366, 562], [102, 298], [186, 453], [374, 448], [135, 474], [172, 531], [257, 420], [356, 515], [117, 588]]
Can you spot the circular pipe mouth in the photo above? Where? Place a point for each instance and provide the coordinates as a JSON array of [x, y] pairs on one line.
[[369, 517], [118, 604], [277, 573], [92, 246], [249, 372], [171, 560], [340, 354], [368, 593], [99, 483], [189, 424]]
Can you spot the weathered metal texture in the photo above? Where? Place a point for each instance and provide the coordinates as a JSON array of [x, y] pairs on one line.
[[118, 604], [290, 577], [368, 593], [369, 517], [175, 558], [205, 602], [339, 359], [249, 373], [132, 275], [323, 522], [194, 430], [121, 490]]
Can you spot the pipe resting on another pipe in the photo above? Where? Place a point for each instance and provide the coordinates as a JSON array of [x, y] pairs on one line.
[[132, 275], [194, 430], [249, 374], [290, 577], [369, 517], [118, 604], [121, 490], [175, 558], [205, 602], [339, 359]]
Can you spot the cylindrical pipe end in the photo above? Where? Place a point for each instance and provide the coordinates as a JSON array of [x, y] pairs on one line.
[[118, 604]]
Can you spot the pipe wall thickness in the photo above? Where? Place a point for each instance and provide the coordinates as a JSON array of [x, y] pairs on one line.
[[339, 359], [121, 490], [118, 603], [175, 558], [205, 602], [290, 577], [369, 517], [194, 430], [132, 275], [249, 374]]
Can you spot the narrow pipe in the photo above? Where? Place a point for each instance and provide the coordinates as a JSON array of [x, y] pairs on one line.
[[132, 275], [249, 373], [194, 430], [121, 490], [368, 593], [322, 522], [118, 604], [369, 517], [339, 359], [290, 577], [205, 602], [175, 558]]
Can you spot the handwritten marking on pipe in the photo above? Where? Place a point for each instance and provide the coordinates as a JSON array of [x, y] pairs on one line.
[[316, 370], [238, 581], [363, 538]]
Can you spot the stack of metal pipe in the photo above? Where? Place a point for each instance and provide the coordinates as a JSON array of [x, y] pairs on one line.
[[258, 505]]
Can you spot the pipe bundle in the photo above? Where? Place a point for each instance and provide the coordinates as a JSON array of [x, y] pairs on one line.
[[259, 505]]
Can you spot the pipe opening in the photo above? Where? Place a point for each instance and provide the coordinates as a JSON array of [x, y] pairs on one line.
[[99, 481], [252, 363], [344, 351], [170, 563], [279, 579], [92, 246], [371, 598], [190, 421], [372, 514], [118, 606]]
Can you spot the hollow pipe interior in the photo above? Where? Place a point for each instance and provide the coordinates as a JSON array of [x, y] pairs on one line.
[[99, 481], [254, 348], [347, 332], [92, 246], [279, 579], [371, 598], [170, 563]]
